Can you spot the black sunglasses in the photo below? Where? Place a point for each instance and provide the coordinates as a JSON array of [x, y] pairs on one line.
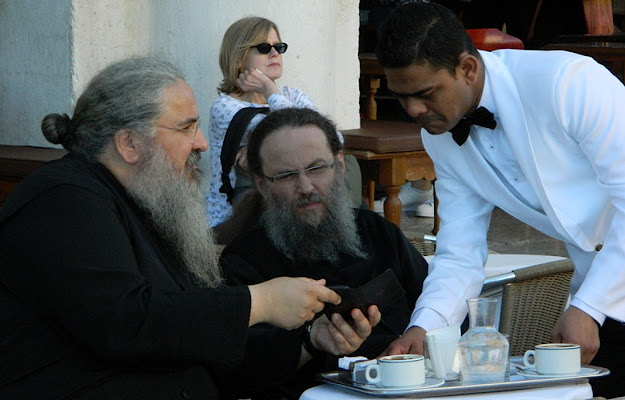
[[265, 48]]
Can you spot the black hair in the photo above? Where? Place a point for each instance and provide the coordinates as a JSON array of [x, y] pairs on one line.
[[420, 33]]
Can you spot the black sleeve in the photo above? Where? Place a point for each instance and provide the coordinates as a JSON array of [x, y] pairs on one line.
[[392, 249], [414, 267], [73, 261], [237, 271], [271, 359], [272, 354]]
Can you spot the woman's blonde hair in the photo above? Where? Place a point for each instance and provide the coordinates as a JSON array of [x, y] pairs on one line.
[[238, 39]]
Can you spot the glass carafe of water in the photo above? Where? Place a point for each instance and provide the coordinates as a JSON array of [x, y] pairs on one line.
[[482, 349]]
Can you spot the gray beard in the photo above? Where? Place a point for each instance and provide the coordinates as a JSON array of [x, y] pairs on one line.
[[309, 238], [174, 203]]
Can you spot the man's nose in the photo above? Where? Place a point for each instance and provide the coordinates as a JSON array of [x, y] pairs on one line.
[[199, 142], [414, 107], [304, 184]]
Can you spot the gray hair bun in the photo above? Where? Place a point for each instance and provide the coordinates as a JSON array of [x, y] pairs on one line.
[[57, 129]]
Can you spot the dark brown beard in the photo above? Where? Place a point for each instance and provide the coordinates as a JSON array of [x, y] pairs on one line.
[[309, 238]]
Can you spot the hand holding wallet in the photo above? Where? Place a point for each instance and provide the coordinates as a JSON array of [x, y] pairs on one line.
[[382, 291]]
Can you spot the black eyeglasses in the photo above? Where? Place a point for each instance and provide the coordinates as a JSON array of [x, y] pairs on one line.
[[265, 48]]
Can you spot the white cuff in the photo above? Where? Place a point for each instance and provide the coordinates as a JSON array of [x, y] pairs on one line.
[[428, 319], [596, 315]]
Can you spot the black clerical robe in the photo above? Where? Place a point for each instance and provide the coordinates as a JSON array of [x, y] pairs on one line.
[[252, 258], [94, 306]]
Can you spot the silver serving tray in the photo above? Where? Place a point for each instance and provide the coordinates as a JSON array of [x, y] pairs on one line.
[[450, 388]]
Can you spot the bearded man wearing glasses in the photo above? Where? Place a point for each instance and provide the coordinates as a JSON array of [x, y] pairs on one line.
[[308, 227]]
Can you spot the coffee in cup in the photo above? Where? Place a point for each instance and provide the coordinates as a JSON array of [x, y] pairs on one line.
[[397, 371], [554, 358]]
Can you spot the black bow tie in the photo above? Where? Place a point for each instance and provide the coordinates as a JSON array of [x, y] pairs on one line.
[[481, 117]]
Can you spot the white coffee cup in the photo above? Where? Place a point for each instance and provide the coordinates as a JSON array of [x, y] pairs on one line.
[[397, 371], [554, 358]]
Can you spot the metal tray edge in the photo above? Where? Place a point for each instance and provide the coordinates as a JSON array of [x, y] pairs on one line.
[[453, 388]]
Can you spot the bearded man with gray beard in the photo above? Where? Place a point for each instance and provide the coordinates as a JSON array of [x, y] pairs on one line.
[[171, 201], [308, 228], [109, 285]]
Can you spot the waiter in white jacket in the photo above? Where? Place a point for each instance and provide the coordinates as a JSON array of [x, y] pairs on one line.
[[539, 134]]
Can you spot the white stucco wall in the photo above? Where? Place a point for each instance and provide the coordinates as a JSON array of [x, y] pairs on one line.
[[106, 31], [51, 48], [346, 65]]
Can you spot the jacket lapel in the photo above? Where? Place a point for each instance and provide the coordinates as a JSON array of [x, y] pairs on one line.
[[517, 127]]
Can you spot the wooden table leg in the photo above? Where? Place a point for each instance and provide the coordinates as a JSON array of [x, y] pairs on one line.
[[392, 204], [392, 176], [371, 111]]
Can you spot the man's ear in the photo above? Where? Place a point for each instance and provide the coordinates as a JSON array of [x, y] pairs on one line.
[[340, 157], [468, 68], [257, 180], [127, 146]]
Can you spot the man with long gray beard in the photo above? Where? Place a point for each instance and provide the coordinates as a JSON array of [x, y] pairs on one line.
[[308, 228], [109, 287]]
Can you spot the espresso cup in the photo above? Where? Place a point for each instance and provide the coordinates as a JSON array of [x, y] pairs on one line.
[[397, 371], [554, 358]]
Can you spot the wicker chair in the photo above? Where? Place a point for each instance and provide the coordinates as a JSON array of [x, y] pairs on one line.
[[533, 299], [426, 245]]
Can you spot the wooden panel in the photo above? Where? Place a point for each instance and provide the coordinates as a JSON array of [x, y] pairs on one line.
[[420, 167], [384, 137], [17, 162], [599, 17], [6, 187]]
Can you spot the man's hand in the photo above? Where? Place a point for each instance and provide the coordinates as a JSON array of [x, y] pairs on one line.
[[575, 326], [289, 302], [410, 342], [253, 80], [340, 337]]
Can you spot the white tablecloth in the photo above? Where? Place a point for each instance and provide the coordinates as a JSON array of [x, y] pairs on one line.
[[574, 391]]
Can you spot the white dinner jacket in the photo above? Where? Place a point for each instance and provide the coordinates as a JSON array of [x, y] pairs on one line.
[[563, 116]]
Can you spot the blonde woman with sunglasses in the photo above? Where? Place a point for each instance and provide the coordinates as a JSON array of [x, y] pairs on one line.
[[251, 61]]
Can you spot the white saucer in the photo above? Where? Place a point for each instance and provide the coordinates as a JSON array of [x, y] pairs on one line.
[[531, 373], [429, 383]]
